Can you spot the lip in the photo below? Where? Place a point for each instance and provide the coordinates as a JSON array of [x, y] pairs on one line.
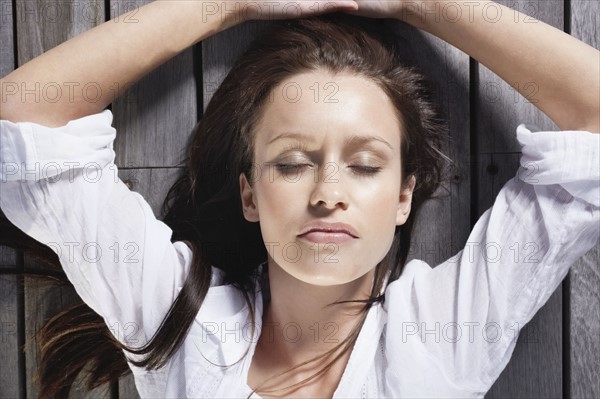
[[330, 232]]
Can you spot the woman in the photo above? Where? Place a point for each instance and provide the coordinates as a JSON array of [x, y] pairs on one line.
[[335, 194]]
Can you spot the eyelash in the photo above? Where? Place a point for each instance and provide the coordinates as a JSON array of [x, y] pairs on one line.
[[369, 170], [362, 170]]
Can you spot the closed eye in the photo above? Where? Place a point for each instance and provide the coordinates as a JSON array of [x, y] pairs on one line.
[[290, 167], [366, 170], [358, 169]]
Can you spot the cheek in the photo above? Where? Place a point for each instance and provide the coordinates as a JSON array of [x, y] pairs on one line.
[[379, 196], [272, 196], [381, 213], [279, 203], [380, 206]]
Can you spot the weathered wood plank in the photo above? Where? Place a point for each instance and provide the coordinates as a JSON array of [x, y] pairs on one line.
[[155, 117], [502, 107], [501, 110], [585, 326], [585, 274], [153, 185], [127, 389], [534, 351], [42, 301], [493, 171], [7, 51], [443, 225], [9, 340], [221, 50], [8, 258], [9, 347], [42, 25]]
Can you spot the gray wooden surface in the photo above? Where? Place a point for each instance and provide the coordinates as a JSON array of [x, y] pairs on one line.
[[557, 353], [584, 288], [501, 110], [9, 342], [159, 112], [9, 362], [40, 26], [9, 375]]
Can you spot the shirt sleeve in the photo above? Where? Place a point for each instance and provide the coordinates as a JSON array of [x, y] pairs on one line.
[[60, 186], [464, 315]]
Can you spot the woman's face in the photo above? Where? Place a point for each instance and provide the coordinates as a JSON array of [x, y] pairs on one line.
[[327, 149]]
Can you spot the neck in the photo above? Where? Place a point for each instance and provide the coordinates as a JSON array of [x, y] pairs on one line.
[[299, 325]]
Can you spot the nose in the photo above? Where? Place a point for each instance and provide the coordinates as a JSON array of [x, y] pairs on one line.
[[329, 189]]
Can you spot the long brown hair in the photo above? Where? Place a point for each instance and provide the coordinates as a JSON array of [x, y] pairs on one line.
[[204, 208]]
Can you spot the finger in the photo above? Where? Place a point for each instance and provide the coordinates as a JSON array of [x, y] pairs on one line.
[[346, 5], [350, 5]]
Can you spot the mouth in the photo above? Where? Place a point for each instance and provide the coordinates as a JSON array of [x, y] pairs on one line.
[[325, 232], [327, 237]]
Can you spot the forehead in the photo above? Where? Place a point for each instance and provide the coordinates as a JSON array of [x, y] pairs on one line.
[[320, 107]]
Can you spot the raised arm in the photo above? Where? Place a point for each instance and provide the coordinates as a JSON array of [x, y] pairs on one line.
[[113, 56], [516, 47], [117, 53]]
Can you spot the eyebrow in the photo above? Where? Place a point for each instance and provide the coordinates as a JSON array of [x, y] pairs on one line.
[[354, 140]]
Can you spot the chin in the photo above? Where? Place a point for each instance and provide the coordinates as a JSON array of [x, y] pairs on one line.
[[322, 278]]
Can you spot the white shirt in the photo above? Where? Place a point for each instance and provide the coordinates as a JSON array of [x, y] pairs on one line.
[[446, 331]]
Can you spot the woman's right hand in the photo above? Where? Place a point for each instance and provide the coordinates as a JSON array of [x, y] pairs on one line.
[[274, 10]]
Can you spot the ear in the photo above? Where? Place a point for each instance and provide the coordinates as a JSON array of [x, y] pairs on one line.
[[248, 200], [405, 200]]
